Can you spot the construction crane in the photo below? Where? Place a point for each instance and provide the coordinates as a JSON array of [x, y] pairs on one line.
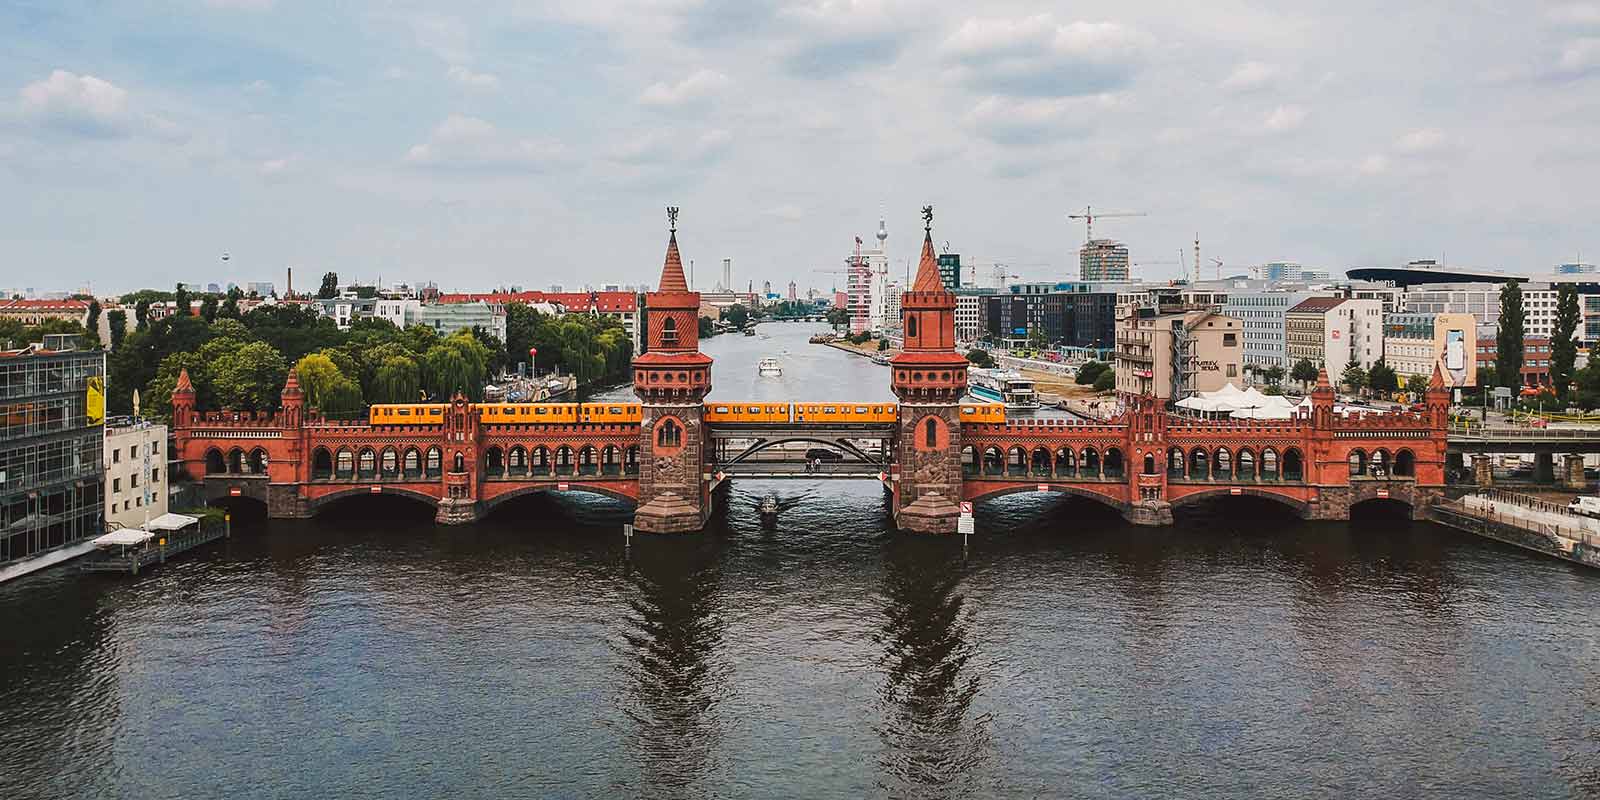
[[1001, 273], [1155, 264], [1218, 262], [1088, 216]]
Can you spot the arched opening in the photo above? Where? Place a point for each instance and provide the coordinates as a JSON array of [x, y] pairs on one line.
[[564, 460], [911, 326], [460, 462], [1358, 463], [630, 465], [389, 464], [258, 461], [1199, 465], [541, 461], [931, 433], [236, 461], [669, 332], [321, 464], [517, 461], [215, 465], [993, 461], [1175, 460], [1089, 463], [1269, 464], [1222, 467], [588, 461], [969, 460], [1247, 465], [1149, 464], [1378, 467], [1293, 465], [1016, 462], [433, 466], [411, 463], [494, 462], [1066, 463], [1113, 462], [669, 433], [611, 460], [367, 464], [1405, 464], [1041, 462], [344, 467]]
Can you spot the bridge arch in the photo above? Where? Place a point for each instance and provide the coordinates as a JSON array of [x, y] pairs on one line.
[[1295, 504], [1109, 502], [765, 444], [319, 503], [489, 504]]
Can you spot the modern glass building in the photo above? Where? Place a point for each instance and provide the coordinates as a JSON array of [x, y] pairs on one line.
[[52, 413]]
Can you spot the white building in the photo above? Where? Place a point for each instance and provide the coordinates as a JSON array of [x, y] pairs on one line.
[[1262, 314], [878, 283], [1334, 333], [401, 313], [136, 475], [969, 313]]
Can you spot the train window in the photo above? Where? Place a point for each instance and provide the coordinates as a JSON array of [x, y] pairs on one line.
[[616, 410], [539, 411], [755, 409], [721, 409], [436, 412], [861, 409], [829, 410]]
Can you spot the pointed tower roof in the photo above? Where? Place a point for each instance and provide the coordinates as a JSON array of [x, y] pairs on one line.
[[185, 386], [291, 387], [1437, 381], [928, 268], [672, 270], [1322, 379]]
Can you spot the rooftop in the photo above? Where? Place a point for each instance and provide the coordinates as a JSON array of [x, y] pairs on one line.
[[1316, 305]]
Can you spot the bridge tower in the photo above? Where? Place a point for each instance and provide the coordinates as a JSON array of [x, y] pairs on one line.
[[672, 378], [929, 377]]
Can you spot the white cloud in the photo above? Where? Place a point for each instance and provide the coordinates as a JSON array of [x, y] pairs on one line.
[[1285, 118], [1037, 120], [1374, 165], [660, 148], [697, 87], [470, 143], [1580, 55], [474, 80], [1420, 141], [1036, 55], [1575, 14], [85, 105], [275, 167], [1251, 76], [258, 86], [788, 212]]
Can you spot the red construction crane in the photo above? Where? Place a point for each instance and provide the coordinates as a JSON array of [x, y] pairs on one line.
[[1088, 216]]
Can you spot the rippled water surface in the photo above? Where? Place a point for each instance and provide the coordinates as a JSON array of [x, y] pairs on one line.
[[369, 653]]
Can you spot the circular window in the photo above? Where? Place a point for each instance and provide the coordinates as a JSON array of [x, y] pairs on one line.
[[655, 378], [916, 376]]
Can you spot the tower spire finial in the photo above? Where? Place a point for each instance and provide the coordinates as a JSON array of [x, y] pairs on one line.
[[927, 219], [672, 219]]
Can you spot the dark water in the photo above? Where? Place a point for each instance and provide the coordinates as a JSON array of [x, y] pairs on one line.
[[368, 653]]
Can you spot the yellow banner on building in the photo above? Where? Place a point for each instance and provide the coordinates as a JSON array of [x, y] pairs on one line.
[[95, 401]]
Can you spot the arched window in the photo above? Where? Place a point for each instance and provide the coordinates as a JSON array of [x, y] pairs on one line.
[[412, 463], [993, 462], [630, 466], [1247, 465], [367, 463], [969, 460], [389, 463], [517, 461], [1149, 463], [1113, 463], [434, 464], [258, 461], [1175, 463], [541, 460], [236, 460], [911, 325], [669, 331], [346, 464], [1017, 461], [461, 462], [1066, 463], [321, 464], [1269, 464], [1041, 462], [669, 433], [1358, 463], [1405, 464], [931, 438], [1293, 465], [494, 464], [1089, 463], [214, 462]]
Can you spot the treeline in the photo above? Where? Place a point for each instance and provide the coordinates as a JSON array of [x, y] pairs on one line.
[[595, 349]]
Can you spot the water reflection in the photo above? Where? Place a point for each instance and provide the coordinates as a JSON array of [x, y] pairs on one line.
[[933, 745], [673, 674]]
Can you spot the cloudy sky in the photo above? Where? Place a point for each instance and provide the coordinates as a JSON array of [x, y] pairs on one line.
[[492, 143]]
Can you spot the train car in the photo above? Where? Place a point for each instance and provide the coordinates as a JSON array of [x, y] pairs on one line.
[[748, 412], [845, 413], [610, 412], [406, 414], [528, 413], [983, 412]]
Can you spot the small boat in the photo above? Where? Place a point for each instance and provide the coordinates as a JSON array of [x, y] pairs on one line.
[[880, 359], [1003, 386], [769, 367], [751, 331], [769, 506]]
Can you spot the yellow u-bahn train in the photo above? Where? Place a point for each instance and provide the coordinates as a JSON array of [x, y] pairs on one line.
[[602, 413]]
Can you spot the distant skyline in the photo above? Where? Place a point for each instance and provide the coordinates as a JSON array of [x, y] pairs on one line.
[[537, 143]]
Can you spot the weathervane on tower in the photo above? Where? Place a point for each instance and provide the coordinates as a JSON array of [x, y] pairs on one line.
[[927, 218], [672, 218]]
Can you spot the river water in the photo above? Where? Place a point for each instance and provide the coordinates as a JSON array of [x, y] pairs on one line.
[[369, 653]]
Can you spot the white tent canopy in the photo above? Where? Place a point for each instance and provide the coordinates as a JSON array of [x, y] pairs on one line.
[[170, 522], [123, 536], [1246, 404]]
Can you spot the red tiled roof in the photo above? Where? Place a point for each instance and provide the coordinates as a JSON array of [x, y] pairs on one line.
[[928, 268], [44, 305], [613, 302], [1316, 305]]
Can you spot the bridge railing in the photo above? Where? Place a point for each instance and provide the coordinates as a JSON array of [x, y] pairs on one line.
[[1508, 433]]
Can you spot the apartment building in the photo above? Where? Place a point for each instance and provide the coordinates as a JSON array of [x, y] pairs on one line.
[[1262, 314], [1334, 332], [135, 472], [1414, 344], [1171, 356]]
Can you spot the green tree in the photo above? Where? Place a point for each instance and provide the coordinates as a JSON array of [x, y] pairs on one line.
[[1304, 371], [92, 324], [1383, 379], [293, 330], [247, 376], [318, 376], [496, 348], [12, 333], [180, 301], [1273, 375], [736, 315], [1509, 336], [366, 292], [1563, 349], [883, 344], [147, 295], [839, 318], [1416, 384], [1090, 372], [230, 306], [208, 308], [980, 358], [141, 314], [156, 396], [330, 286], [1354, 376], [117, 321], [458, 364], [397, 380], [707, 328], [1105, 381], [1586, 385]]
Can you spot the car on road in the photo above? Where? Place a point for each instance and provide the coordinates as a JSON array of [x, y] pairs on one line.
[[823, 454]]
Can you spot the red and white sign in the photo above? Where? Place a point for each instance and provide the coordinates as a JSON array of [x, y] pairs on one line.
[[1044, 487], [1383, 494], [376, 490], [1336, 334], [561, 487], [1235, 490], [966, 507], [235, 492]]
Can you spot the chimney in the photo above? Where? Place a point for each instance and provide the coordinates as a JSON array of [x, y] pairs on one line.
[[288, 289]]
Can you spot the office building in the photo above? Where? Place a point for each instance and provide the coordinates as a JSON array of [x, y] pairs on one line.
[[1576, 268], [1281, 271], [1171, 356], [135, 482], [52, 409], [1334, 332], [1103, 260], [1262, 316], [1535, 359], [1414, 344], [950, 270], [969, 313]]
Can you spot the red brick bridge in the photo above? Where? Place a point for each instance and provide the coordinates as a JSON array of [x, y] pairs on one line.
[[1144, 462]]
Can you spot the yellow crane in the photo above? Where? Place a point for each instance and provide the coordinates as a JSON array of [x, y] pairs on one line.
[[1088, 216]]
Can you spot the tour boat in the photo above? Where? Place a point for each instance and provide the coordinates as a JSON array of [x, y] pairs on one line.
[[769, 367], [1003, 386]]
